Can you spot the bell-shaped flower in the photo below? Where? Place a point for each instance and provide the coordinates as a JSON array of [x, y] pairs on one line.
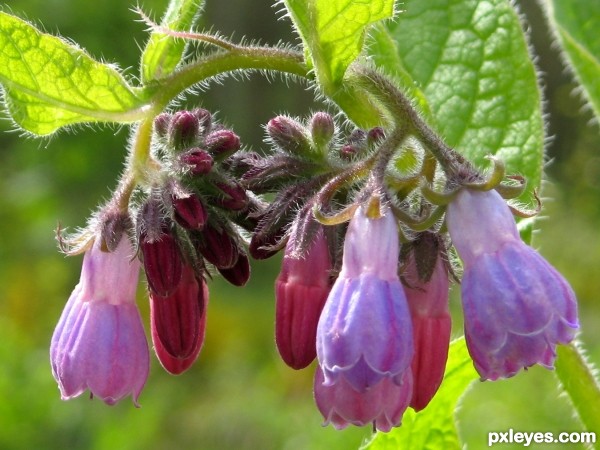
[[517, 307], [99, 343], [300, 291], [428, 303], [383, 405], [365, 334]]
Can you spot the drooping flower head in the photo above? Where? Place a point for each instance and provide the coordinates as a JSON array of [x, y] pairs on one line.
[[300, 291], [99, 343], [517, 307], [364, 336]]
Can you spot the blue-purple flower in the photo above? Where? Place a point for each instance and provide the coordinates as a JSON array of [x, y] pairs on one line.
[[364, 335], [517, 307], [383, 405], [99, 343]]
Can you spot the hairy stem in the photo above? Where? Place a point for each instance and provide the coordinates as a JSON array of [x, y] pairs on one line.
[[401, 110]]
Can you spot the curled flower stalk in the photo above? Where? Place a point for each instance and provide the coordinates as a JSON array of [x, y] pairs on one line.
[[99, 343], [517, 307]]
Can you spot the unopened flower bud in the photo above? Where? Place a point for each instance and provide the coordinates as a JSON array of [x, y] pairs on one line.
[[222, 143], [375, 135], [428, 303], [300, 291], [260, 246], [114, 224], [347, 152], [322, 129], [190, 213], [178, 322], [235, 196], [162, 262], [218, 248], [289, 135], [198, 161], [204, 119], [161, 124], [239, 274], [184, 130]]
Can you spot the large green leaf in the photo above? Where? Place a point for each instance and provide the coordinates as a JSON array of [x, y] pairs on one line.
[[163, 53], [333, 32], [49, 83], [469, 60], [434, 427], [576, 23]]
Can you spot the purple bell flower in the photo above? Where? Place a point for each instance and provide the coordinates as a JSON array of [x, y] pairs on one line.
[[99, 343], [383, 405], [364, 335], [517, 307]]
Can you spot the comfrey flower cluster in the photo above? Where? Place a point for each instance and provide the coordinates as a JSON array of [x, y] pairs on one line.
[[176, 224], [364, 285], [369, 299]]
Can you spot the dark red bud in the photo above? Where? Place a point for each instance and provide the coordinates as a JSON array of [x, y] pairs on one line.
[[114, 224], [375, 135], [222, 143], [178, 323], [184, 130], [347, 152], [235, 196], [218, 248], [204, 119], [161, 124], [322, 128], [239, 274], [190, 213], [301, 290], [289, 135], [357, 137], [260, 244], [162, 263], [197, 160]]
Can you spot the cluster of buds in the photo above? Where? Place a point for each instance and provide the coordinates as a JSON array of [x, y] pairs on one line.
[[363, 289], [180, 224]]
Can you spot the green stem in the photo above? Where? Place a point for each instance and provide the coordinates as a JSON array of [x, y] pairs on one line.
[[139, 164], [400, 108], [351, 100], [578, 381], [249, 58]]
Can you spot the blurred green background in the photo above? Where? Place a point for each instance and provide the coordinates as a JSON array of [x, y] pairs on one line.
[[239, 394]]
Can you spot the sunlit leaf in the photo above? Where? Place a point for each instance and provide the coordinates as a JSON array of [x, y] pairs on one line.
[[576, 23], [333, 32], [469, 60], [49, 83], [163, 53], [434, 427]]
